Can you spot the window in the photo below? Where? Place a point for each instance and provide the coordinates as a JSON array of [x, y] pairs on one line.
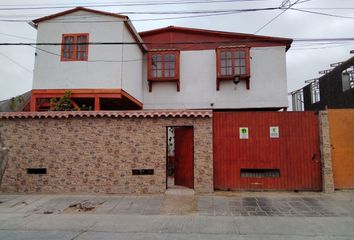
[[163, 67], [348, 79], [75, 47], [298, 100], [232, 64], [315, 91]]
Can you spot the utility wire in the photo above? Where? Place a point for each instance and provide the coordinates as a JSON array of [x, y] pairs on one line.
[[15, 62], [278, 15], [112, 61], [16, 36], [209, 13], [321, 13], [168, 43], [128, 4]]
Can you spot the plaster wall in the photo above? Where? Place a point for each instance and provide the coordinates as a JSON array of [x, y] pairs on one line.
[[268, 87], [104, 68]]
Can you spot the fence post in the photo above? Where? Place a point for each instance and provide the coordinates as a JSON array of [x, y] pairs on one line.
[[326, 153]]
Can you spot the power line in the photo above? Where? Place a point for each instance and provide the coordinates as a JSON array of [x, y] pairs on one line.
[[16, 63], [16, 36], [210, 13], [168, 43], [278, 15], [321, 13], [113, 61], [128, 4]]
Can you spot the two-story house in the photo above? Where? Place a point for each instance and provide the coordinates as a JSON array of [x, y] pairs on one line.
[[107, 65]]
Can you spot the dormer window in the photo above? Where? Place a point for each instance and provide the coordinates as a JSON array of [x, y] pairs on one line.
[[233, 63], [75, 47], [163, 66]]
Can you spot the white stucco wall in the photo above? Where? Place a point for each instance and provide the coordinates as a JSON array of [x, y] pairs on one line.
[[104, 66], [268, 87]]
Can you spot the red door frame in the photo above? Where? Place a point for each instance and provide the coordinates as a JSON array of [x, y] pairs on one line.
[[190, 183]]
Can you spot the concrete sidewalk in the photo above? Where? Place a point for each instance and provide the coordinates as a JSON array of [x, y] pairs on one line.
[[178, 216]]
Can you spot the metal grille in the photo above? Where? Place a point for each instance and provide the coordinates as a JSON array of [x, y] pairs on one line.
[[260, 173]]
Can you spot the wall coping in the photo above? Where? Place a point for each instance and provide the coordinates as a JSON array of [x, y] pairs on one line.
[[113, 114]]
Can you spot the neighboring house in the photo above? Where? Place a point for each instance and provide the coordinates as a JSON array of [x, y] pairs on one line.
[[333, 90], [167, 68]]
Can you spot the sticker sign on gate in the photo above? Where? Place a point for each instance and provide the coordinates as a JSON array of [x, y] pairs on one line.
[[243, 132], [274, 132]]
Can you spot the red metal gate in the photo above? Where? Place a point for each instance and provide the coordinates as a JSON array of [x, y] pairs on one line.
[[266, 151], [184, 166]]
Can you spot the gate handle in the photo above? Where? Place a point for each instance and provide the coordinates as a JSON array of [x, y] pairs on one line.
[[314, 156]]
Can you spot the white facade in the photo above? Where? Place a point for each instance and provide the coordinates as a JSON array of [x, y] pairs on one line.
[[117, 66], [268, 86], [108, 66]]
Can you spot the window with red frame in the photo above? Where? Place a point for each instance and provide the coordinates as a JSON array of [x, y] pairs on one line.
[[163, 67], [233, 61], [75, 47]]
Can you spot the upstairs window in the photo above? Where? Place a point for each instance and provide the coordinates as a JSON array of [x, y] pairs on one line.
[[163, 66], [233, 64], [75, 47]]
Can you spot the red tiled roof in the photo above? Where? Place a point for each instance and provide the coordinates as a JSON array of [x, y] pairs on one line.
[[116, 114]]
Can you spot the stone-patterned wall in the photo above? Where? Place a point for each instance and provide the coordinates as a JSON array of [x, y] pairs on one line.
[[97, 155], [326, 153]]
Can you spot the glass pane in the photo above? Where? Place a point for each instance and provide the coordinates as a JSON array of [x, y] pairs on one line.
[[166, 73], [228, 55], [223, 71], [222, 55], [159, 73], [172, 73], [159, 65], [167, 65], [229, 71], [228, 62], [172, 65], [242, 54], [237, 54], [242, 62], [154, 73], [243, 70], [237, 71], [237, 62], [223, 63]]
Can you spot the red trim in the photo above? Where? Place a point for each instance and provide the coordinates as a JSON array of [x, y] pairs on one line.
[[74, 57], [97, 94], [133, 33], [38, 20], [169, 37], [221, 77], [152, 79]]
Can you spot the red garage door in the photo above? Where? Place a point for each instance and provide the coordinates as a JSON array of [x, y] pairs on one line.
[[266, 151]]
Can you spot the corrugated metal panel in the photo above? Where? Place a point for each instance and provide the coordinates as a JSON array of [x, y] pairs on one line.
[[295, 153], [341, 126]]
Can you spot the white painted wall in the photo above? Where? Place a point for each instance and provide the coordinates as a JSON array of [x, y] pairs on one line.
[[268, 87], [104, 66]]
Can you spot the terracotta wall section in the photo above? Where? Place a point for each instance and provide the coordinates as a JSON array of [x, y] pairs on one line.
[[341, 125], [97, 155]]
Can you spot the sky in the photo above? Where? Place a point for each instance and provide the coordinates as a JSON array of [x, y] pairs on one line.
[[304, 60]]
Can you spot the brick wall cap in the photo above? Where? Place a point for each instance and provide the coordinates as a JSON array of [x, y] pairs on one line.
[[115, 114]]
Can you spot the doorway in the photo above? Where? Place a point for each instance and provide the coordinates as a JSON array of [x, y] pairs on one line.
[[180, 157]]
